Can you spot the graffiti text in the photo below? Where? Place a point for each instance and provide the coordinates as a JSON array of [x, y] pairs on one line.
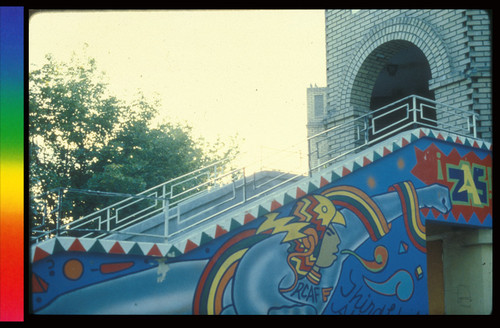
[[305, 292], [359, 303], [470, 183]]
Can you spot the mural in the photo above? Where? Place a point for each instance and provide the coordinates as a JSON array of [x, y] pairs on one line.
[[292, 264], [353, 246]]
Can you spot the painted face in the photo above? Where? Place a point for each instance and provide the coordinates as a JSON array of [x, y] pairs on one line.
[[329, 247]]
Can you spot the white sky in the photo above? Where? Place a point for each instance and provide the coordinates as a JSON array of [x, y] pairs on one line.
[[223, 72]]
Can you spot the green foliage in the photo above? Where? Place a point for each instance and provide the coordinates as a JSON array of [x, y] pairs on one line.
[[82, 137]]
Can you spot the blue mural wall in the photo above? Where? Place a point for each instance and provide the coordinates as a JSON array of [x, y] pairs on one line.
[[354, 246]]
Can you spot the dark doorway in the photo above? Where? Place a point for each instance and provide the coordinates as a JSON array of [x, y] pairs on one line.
[[406, 72]]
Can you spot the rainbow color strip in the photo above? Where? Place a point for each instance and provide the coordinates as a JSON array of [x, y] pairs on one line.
[[220, 270], [411, 214], [11, 163], [363, 206]]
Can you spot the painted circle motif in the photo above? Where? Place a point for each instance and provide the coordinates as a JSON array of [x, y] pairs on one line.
[[73, 269]]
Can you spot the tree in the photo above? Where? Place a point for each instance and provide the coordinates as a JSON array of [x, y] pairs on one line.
[[83, 138]]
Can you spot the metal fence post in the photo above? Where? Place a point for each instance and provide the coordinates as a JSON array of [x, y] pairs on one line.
[[414, 100], [309, 156], [59, 214], [165, 214], [108, 219], [474, 127], [244, 186], [367, 128]]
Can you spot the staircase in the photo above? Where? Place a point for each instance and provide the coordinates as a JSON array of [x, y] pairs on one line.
[[206, 195], [183, 214], [203, 209]]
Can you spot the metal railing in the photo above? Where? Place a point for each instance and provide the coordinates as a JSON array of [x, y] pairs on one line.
[[360, 132], [131, 209], [324, 149], [243, 185]]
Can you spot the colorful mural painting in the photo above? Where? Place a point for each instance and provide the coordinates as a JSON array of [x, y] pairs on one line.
[[356, 245]]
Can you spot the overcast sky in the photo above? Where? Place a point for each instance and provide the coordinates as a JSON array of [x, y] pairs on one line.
[[222, 72]]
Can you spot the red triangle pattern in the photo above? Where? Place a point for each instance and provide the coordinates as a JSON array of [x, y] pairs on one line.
[[300, 193], [38, 285], [116, 249], [366, 161], [189, 246], [435, 212], [154, 251], [39, 254], [219, 231], [275, 205], [77, 246], [248, 218]]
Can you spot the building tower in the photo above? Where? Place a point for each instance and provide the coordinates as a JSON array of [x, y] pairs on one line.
[[378, 56], [316, 115]]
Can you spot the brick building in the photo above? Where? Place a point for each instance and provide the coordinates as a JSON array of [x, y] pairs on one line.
[[376, 57], [316, 112]]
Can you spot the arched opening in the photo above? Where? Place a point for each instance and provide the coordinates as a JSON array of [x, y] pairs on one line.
[[406, 72], [403, 71]]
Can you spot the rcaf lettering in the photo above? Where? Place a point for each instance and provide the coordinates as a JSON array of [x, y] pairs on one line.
[[305, 292]]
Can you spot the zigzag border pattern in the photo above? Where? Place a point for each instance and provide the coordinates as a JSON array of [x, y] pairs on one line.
[[267, 204]]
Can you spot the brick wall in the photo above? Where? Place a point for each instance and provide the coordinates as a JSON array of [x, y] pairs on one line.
[[456, 44]]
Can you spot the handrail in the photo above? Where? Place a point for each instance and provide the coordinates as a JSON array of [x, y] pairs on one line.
[[324, 149], [417, 110], [371, 113], [129, 200], [165, 198]]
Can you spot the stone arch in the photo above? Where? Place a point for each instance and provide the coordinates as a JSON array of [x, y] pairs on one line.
[[376, 46]]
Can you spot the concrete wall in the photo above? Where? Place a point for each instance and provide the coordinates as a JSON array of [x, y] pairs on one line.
[[348, 240], [467, 264], [467, 268]]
